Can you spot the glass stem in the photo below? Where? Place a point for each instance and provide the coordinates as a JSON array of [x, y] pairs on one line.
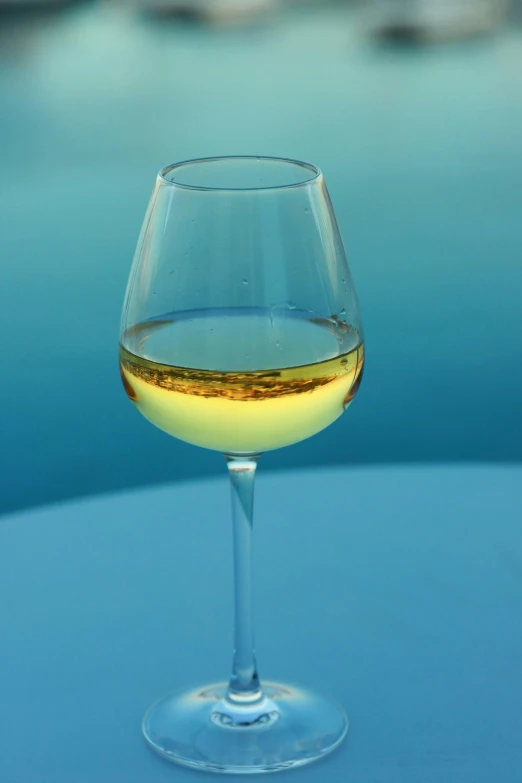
[[244, 687]]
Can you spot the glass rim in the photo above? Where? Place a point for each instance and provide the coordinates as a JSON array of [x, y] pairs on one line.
[[314, 171]]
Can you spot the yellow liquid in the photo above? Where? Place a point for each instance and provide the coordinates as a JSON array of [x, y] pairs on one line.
[[241, 411]]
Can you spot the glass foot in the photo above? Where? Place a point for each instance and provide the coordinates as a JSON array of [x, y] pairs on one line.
[[284, 727]]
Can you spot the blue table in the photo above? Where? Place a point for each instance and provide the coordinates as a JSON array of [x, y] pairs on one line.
[[398, 591]]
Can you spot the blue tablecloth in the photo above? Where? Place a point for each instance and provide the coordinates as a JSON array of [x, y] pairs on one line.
[[397, 591]]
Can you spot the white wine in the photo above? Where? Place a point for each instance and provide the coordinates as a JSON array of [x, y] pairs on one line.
[[243, 381]]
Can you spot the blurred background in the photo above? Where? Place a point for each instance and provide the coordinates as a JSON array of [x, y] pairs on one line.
[[412, 108]]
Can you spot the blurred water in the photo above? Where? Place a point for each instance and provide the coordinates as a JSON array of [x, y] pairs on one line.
[[420, 148]]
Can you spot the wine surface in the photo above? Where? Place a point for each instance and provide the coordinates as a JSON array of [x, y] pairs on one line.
[[241, 381]]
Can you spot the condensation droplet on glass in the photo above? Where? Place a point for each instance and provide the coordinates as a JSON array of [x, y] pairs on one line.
[[278, 344], [307, 211], [291, 306], [245, 281], [343, 311]]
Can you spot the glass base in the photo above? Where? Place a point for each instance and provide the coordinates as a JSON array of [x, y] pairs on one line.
[[283, 728]]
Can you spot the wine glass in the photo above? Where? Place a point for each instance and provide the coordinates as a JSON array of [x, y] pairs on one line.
[[241, 333]]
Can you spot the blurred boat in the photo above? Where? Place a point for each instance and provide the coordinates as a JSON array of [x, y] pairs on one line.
[[435, 20], [215, 11]]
